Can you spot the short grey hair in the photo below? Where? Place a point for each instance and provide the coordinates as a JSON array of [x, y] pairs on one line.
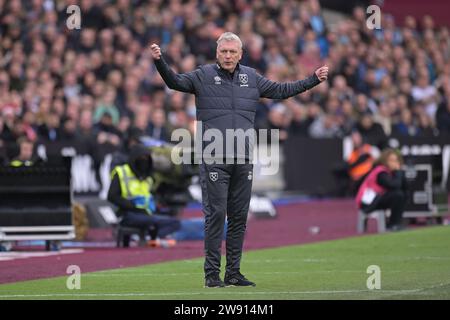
[[229, 36]]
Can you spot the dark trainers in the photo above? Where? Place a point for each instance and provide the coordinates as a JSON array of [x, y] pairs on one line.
[[396, 227], [238, 280], [213, 281]]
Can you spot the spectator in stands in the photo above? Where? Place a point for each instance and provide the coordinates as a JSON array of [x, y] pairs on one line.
[[68, 131], [300, 123], [279, 118], [133, 138], [254, 55], [107, 134], [325, 126], [350, 173], [371, 131], [406, 126], [131, 191], [443, 117], [385, 188], [360, 161], [3, 154], [363, 105], [84, 132], [107, 105], [12, 127], [313, 112], [384, 115], [50, 129], [142, 122], [345, 119], [425, 126], [26, 154], [107, 139], [426, 94], [103, 66], [157, 128]]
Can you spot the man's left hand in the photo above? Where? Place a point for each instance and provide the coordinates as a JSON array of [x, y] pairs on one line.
[[322, 73]]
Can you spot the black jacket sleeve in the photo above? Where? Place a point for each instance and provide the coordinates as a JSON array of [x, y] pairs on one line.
[[395, 182], [115, 197], [181, 82], [275, 90]]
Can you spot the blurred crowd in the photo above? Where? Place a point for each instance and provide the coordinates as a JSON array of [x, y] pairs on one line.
[[97, 84]]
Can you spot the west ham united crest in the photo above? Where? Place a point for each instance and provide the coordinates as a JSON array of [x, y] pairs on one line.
[[243, 79], [213, 176]]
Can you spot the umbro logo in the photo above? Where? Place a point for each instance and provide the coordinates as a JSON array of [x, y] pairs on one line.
[[217, 80]]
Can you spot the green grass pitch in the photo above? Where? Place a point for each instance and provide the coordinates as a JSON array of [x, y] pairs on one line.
[[414, 265]]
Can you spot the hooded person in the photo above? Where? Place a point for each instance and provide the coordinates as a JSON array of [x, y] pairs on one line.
[[131, 191], [132, 139]]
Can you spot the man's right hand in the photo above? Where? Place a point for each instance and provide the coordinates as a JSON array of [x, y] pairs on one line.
[[156, 51], [322, 73]]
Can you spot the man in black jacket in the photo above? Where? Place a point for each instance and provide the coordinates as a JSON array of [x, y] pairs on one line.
[[227, 95]]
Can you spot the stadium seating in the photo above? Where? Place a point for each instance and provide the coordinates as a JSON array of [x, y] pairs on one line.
[[36, 203]]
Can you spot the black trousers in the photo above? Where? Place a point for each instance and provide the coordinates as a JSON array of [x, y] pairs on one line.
[[395, 200], [226, 192]]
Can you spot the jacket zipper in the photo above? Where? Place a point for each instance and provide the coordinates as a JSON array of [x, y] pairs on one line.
[[232, 100], [233, 112]]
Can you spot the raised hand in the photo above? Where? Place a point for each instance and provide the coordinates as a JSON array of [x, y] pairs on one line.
[[155, 51], [322, 73]]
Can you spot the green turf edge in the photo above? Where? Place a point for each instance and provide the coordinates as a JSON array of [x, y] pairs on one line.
[[414, 265]]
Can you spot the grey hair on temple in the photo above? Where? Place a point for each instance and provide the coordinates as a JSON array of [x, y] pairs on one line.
[[229, 36]]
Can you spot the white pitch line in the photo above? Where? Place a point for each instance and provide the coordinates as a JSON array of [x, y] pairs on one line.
[[162, 274], [208, 292], [266, 260], [219, 292], [7, 256]]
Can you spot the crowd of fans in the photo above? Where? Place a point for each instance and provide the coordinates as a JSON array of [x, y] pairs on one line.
[[95, 84]]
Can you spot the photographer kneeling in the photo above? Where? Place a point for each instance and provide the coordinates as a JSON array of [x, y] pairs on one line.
[[130, 191], [385, 188]]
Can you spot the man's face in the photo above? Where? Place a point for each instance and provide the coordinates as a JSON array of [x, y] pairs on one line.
[[26, 151], [106, 119], [366, 122], [393, 162], [357, 139], [228, 54]]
